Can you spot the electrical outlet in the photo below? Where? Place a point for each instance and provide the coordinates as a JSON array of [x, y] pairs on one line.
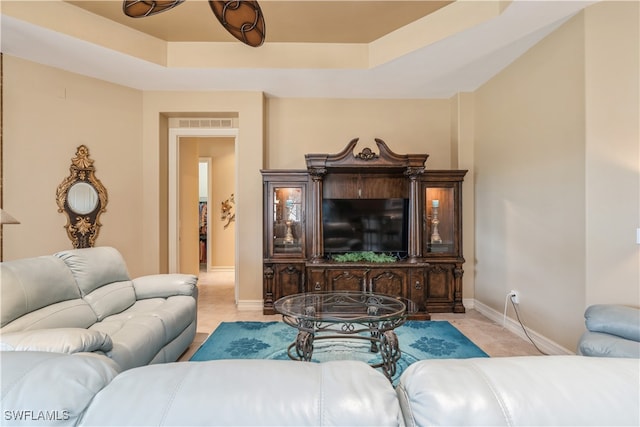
[[515, 297]]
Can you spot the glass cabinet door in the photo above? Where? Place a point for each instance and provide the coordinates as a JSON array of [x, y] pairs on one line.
[[440, 236], [288, 220]]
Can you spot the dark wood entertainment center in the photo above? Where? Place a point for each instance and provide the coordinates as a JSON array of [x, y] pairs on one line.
[[415, 215]]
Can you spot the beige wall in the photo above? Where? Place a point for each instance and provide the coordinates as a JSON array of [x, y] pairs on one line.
[[612, 74], [552, 196], [299, 126], [47, 114], [188, 177]]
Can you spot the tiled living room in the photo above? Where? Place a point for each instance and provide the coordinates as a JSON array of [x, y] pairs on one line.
[[506, 188]]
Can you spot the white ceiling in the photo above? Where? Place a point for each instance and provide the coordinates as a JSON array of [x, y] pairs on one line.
[[458, 63]]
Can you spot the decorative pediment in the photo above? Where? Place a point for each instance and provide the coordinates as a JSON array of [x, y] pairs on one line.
[[349, 161]]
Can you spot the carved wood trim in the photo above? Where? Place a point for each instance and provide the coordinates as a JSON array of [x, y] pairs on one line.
[[347, 159]]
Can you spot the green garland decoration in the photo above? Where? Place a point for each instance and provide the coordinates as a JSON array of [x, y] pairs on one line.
[[366, 256]]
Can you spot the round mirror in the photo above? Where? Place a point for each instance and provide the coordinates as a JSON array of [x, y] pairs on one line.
[[82, 198]]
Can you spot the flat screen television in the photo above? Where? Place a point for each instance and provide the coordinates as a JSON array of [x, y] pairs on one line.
[[377, 225]]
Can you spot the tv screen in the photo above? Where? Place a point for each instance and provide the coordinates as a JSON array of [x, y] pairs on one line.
[[353, 225]]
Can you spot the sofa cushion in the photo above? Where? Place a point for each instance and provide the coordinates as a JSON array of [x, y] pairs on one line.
[[606, 345], [60, 340], [175, 313], [29, 284], [136, 339], [614, 319], [42, 388], [95, 267], [521, 391], [67, 314], [111, 298], [248, 393]]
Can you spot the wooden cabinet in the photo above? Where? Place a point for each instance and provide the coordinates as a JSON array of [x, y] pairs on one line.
[[366, 201], [281, 279], [285, 234], [441, 191], [444, 289], [285, 194]]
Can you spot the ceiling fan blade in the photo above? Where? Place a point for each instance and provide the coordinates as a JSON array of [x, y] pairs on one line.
[[142, 8], [242, 18]]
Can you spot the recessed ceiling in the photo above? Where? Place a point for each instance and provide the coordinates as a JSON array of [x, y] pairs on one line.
[[286, 21], [315, 49]]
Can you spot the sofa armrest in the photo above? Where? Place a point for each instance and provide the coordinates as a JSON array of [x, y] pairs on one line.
[[165, 285], [41, 388], [521, 391], [57, 340], [619, 320]]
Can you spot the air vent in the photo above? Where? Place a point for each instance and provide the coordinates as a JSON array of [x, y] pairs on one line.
[[202, 123]]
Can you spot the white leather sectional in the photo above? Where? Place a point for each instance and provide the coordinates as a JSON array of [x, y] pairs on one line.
[[87, 390], [83, 300]]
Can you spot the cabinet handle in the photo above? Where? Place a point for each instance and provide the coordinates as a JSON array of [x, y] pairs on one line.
[[418, 285], [317, 287]]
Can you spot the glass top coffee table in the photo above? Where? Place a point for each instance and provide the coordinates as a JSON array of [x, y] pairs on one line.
[[353, 315]]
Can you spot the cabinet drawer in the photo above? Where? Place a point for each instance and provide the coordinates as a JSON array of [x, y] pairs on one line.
[[388, 281], [347, 280]]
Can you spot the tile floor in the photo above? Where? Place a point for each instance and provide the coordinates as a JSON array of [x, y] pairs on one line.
[[216, 304]]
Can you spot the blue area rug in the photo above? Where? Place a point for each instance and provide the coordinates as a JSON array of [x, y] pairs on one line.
[[269, 340]]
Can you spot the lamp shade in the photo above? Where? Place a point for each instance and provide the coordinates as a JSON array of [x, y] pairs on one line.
[[6, 218]]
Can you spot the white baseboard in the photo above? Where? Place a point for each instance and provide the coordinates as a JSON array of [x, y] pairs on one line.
[[543, 343], [222, 269], [250, 305]]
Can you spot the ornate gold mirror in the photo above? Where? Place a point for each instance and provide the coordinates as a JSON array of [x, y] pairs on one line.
[[82, 197]]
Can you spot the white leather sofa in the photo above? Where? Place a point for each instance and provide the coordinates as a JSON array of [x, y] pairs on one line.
[[83, 300], [87, 390]]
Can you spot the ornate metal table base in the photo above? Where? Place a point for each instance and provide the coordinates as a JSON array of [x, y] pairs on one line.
[[304, 346], [386, 343], [345, 315], [390, 352]]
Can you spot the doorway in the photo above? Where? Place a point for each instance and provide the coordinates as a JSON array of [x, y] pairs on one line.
[[217, 246], [186, 148], [204, 213]]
